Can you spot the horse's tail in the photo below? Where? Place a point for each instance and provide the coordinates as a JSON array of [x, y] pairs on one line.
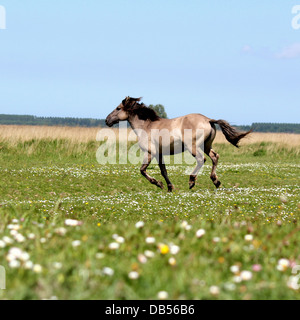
[[231, 134]]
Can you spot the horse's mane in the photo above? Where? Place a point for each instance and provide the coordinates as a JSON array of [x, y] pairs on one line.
[[144, 112]]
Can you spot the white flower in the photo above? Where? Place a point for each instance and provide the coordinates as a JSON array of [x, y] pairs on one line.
[[2, 244], [72, 222], [235, 269], [214, 290], [28, 264], [150, 240], [246, 275], [188, 227], [76, 243], [216, 239], [200, 233], [24, 256], [162, 295], [237, 279], [14, 263], [139, 224], [142, 258], [15, 252], [283, 264], [174, 249], [31, 236], [7, 240], [293, 283], [114, 246], [172, 261], [133, 275], [13, 227], [248, 237], [61, 231], [100, 255], [120, 239], [37, 268], [184, 224], [108, 271], [149, 254]]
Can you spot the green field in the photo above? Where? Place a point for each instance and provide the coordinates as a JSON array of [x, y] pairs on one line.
[[247, 227]]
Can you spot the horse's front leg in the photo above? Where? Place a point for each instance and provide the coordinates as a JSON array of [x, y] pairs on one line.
[[147, 160], [164, 173]]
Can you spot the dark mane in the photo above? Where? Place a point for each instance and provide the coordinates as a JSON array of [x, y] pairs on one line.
[[144, 112]]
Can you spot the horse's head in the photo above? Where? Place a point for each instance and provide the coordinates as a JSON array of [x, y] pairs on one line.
[[121, 113]]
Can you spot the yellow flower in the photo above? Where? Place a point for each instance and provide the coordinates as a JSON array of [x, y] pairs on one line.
[[98, 224], [163, 248]]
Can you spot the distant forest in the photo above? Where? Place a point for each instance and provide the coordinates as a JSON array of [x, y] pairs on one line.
[[88, 122]]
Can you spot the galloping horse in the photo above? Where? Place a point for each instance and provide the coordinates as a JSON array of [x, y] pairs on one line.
[[142, 118]]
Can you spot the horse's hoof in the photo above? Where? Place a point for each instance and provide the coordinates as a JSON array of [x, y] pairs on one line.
[[170, 187], [160, 184], [218, 184], [192, 185]]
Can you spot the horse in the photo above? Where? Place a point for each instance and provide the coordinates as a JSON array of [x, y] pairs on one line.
[[144, 119]]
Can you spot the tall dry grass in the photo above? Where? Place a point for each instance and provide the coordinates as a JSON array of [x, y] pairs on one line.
[[14, 134]]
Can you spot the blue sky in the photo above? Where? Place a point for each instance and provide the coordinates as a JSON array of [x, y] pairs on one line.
[[234, 60]]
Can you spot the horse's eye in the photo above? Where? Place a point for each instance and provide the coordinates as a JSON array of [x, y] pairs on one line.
[[118, 108]]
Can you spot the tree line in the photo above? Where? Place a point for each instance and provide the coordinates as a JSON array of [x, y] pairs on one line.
[[89, 122]]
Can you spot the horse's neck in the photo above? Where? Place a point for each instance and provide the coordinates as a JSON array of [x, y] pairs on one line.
[[136, 123]]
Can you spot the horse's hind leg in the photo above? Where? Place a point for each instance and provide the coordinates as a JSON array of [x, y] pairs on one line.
[[200, 162], [146, 162], [164, 173], [214, 158]]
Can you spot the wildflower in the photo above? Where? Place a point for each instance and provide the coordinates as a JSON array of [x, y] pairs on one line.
[[7, 240], [142, 258], [246, 275], [37, 268], [61, 231], [133, 275], [14, 263], [162, 295], [214, 290], [139, 225], [114, 246], [283, 264], [248, 237], [2, 244], [235, 269], [100, 255], [72, 222], [292, 283], [150, 240], [76, 243], [172, 261], [28, 265], [108, 271], [174, 249], [163, 248], [256, 267], [149, 254], [120, 239], [200, 233], [216, 239]]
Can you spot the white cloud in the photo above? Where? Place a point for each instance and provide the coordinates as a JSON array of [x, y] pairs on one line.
[[290, 52]]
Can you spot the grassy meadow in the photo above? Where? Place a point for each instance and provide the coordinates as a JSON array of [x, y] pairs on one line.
[[71, 228]]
